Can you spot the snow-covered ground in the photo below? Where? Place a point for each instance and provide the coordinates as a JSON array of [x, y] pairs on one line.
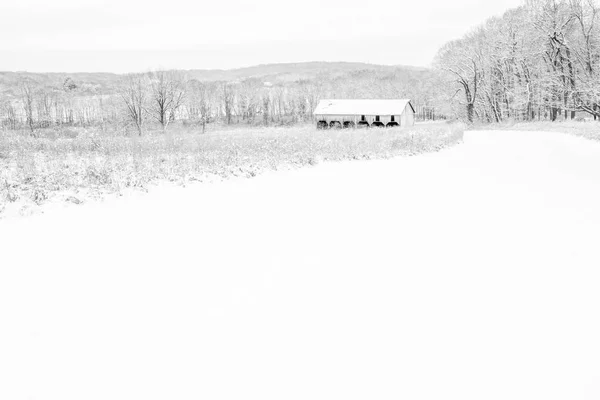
[[473, 273]]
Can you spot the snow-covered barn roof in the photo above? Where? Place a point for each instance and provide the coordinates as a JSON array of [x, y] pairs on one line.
[[362, 107]]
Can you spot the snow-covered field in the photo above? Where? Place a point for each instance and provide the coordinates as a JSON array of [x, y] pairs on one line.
[[472, 273]]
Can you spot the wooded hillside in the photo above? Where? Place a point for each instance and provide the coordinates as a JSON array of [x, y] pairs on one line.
[[538, 61]]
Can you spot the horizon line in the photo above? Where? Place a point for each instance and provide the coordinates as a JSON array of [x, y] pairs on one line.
[[150, 69]]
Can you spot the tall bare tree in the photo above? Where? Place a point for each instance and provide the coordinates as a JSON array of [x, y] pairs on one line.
[[134, 93], [167, 96], [461, 59], [27, 92], [200, 102], [266, 106], [228, 97]]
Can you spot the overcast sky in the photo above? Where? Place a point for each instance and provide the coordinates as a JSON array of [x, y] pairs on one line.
[[137, 35]]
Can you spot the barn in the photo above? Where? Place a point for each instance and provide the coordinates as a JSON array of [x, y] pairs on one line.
[[364, 113]]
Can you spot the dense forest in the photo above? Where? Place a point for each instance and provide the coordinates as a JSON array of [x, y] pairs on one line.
[[538, 61], [267, 94]]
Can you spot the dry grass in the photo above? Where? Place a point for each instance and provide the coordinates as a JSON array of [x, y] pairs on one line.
[[75, 164], [587, 129]]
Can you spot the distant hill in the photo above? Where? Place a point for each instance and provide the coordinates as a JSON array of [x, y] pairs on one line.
[[292, 71], [90, 83]]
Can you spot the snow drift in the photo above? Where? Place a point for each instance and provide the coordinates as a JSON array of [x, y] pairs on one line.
[[471, 273]]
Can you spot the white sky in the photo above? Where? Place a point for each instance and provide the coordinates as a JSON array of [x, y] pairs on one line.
[[135, 35]]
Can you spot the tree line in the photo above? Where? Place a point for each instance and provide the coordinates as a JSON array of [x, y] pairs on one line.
[[538, 61], [144, 100], [155, 100]]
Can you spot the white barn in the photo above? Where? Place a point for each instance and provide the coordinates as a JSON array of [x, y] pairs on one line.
[[364, 113]]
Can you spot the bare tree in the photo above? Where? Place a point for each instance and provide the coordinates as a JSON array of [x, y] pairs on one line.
[[44, 110], [587, 14], [278, 103], [11, 120], [461, 60], [249, 95], [167, 96], [228, 97], [134, 93], [28, 100], [199, 102], [266, 106]]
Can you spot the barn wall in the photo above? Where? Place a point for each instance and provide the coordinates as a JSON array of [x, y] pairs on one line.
[[406, 118], [409, 116], [356, 118], [340, 118]]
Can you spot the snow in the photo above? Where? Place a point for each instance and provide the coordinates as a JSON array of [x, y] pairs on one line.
[[471, 273]]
